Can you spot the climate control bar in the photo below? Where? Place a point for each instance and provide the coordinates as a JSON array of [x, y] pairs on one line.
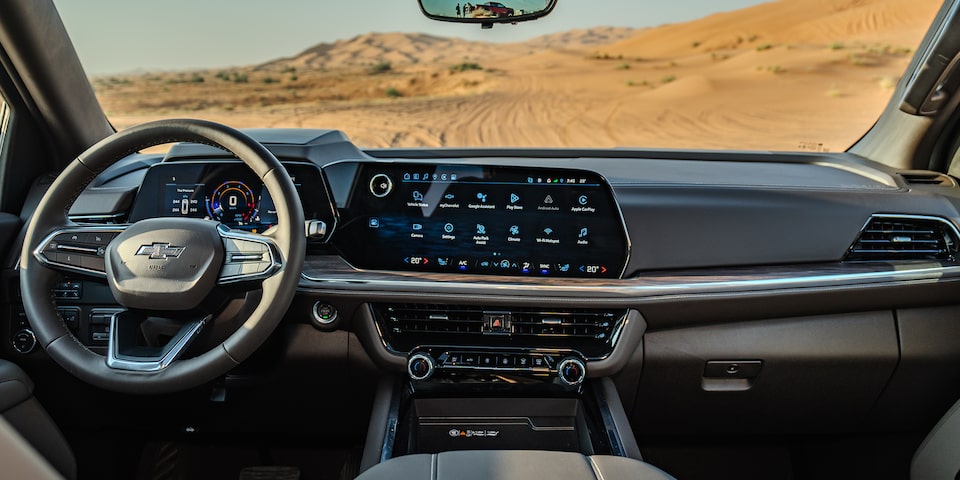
[[566, 368]]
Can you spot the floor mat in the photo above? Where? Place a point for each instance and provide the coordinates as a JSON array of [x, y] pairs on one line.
[[226, 461]]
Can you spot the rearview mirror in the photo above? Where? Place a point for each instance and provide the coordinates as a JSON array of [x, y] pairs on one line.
[[486, 13]]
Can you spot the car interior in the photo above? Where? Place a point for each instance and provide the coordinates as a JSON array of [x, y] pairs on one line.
[[284, 303]]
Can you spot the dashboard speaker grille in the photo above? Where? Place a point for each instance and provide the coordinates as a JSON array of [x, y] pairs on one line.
[[406, 326], [904, 238]]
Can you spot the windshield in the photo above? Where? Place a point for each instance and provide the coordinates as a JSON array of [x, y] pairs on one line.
[[690, 74]]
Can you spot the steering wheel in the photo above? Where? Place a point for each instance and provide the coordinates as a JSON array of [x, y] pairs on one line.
[[168, 274]]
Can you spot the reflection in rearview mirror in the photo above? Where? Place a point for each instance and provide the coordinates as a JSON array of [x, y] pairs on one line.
[[487, 13]]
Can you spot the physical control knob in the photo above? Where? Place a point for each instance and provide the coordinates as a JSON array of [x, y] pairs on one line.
[[420, 366], [381, 185], [572, 371], [24, 341]]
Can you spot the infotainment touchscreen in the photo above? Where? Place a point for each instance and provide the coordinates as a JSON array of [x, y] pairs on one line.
[[482, 220]]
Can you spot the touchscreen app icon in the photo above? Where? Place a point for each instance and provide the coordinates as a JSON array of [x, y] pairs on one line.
[[417, 196], [514, 230]]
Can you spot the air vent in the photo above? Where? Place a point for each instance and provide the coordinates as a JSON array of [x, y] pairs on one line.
[[920, 177], [405, 327], [887, 238]]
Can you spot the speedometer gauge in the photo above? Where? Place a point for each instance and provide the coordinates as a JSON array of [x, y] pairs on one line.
[[233, 203]]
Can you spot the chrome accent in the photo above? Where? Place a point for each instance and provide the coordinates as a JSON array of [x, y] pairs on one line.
[[579, 364], [374, 180], [160, 251], [71, 248], [169, 354], [38, 252], [315, 313], [430, 366], [33, 341], [246, 257], [632, 288], [106, 219], [273, 254]]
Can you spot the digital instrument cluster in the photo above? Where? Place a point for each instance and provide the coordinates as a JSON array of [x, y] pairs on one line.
[[227, 192], [482, 220]]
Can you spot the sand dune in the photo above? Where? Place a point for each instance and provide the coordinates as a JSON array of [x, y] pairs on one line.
[[807, 74]]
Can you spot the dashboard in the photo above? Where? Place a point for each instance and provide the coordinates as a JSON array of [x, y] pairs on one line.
[[690, 261]]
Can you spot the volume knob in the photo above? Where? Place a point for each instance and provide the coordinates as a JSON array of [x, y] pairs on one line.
[[572, 371], [420, 366]]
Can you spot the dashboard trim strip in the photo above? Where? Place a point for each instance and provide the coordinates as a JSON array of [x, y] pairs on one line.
[[661, 285]]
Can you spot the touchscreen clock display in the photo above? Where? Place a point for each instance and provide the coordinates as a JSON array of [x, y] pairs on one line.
[[482, 220]]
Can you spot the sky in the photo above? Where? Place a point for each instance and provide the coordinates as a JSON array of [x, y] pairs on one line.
[[119, 36]]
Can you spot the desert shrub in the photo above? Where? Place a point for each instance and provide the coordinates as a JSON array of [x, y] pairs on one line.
[[380, 67], [463, 67]]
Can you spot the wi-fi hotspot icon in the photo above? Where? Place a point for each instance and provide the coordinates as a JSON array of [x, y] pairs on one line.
[[548, 231]]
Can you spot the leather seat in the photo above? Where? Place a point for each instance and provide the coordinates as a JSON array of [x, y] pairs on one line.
[[938, 457], [24, 413], [512, 465]]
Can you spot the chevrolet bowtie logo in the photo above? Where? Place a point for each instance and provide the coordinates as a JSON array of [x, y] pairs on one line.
[[160, 251]]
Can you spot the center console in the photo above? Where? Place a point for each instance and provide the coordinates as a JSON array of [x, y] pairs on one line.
[[498, 378]]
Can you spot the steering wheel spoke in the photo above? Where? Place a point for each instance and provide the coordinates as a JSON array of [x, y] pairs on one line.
[[247, 257], [135, 340], [78, 249]]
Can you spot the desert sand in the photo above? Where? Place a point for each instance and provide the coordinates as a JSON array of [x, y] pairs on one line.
[[785, 75]]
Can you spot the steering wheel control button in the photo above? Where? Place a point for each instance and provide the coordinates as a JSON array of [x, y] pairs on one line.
[[572, 371], [247, 257], [24, 341], [381, 185], [80, 250], [420, 367]]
